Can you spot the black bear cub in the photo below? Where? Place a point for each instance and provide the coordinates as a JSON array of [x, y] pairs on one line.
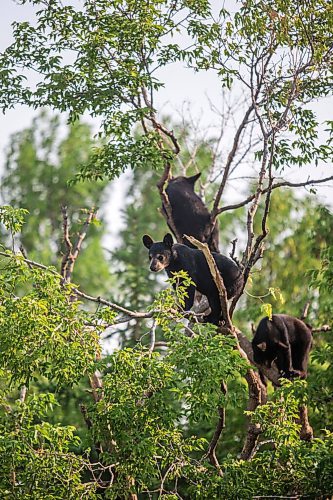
[[287, 341], [172, 258], [189, 213]]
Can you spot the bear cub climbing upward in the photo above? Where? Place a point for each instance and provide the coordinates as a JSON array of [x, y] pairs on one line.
[[189, 213], [173, 258], [287, 341]]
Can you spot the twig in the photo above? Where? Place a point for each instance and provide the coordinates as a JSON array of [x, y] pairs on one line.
[[152, 337], [262, 443], [305, 311], [232, 253], [211, 453], [323, 328], [67, 241], [229, 161], [98, 300], [287, 184], [23, 393], [70, 257]]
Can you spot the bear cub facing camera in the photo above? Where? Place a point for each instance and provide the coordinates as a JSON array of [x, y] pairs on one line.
[[287, 341], [189, 213], [164, 255]]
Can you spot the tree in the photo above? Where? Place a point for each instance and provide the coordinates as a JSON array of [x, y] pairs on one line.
[[144, 404], [38, 169]]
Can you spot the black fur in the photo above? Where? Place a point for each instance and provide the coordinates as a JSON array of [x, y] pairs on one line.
[[189, 213], [172, 258], [287, 341]]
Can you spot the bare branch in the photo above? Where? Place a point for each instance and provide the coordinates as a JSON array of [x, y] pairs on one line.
[[306, 433], [67, 241], [23, 393], [98, 300], [229, 161], [211, 453], [305, 311], [216, 277], [152, 337], [309, 182], [70, 257]]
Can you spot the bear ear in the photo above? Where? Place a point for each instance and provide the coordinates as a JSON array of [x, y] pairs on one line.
[[147, 241], [262, 346], [192, 180], [168, 240]]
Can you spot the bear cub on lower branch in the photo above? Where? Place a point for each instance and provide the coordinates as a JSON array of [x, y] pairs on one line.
[[287, 341], [189, 213], [173, 258]]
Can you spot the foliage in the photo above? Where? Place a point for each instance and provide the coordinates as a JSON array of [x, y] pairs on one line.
[[148, 398], [285, 466], [44, 330], [35, 456]]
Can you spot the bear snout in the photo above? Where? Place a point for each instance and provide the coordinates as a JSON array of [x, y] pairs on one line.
[[156, 266]]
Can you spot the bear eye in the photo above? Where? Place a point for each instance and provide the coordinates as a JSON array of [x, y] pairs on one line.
[[160, 258]]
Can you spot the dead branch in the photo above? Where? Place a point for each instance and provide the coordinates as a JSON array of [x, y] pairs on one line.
[[216, 277], [306, 433], [232, 253], [256, 251], [254, 206], [23, 393], [152, 337], [69, 258], [263, 443], [305, 311], [257, 391], [67, 241], [211, 453], [96, 386], [228, 164], [323, 328], [287, 184]]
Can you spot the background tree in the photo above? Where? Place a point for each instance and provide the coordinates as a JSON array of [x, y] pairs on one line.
[[39, 165]]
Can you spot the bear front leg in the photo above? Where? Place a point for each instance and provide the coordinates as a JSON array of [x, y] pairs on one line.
[[215, 314], [300, 359], [284, 363], [189, 300]]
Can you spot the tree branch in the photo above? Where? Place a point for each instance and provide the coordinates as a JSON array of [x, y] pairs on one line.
[[287, 184], [69, 259], [216, 277], [211, 453]]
